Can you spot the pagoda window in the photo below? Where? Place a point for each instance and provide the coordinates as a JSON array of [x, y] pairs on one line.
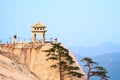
[[37, 28], [34, 28]]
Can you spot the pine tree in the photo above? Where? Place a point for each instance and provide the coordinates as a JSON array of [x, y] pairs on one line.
[[65, 62], [94, 70]]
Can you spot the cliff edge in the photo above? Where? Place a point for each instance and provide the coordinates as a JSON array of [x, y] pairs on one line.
[[35, 60]]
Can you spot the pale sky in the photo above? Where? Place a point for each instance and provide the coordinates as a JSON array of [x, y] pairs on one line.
[[73, 22]]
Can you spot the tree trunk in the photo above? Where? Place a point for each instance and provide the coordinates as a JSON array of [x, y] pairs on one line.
[[60, 68], [88, 75]]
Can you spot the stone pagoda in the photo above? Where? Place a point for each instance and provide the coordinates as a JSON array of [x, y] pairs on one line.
[[38, 28]]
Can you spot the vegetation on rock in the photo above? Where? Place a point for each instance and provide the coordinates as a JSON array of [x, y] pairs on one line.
[[93, 69], [64, 62]]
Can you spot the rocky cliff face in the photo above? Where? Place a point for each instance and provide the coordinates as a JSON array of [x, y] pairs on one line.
[[35, 60], [10, 70]]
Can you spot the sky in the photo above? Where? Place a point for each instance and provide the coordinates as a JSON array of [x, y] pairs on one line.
[[72, 22]]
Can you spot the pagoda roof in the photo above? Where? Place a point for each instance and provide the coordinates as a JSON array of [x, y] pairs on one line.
[[38, 25]]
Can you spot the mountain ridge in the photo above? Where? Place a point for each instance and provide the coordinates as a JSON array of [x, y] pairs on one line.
[[111, 63], [93, 51], [106, 54]]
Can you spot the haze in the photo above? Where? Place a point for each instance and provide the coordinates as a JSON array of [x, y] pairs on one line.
[[73, 22]]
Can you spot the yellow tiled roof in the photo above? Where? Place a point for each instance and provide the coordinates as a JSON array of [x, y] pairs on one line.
[[38, 25]]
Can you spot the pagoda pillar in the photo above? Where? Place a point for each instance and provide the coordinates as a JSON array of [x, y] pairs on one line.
[[34, 38], [43, 38]]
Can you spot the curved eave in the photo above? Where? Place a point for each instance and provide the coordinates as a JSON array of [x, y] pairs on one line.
[[38, 31]]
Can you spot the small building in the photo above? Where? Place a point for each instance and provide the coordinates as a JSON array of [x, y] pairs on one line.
[[38, 28]]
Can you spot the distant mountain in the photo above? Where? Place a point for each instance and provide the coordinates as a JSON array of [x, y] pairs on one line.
[[112, 63], [106, 54], [95, 50]]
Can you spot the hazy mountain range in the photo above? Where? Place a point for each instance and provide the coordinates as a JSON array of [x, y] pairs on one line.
[[112, 63], [107, 55], [95, 50]]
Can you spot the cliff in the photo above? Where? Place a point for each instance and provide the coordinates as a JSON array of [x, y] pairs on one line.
[[35, 59], [10, 70]]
